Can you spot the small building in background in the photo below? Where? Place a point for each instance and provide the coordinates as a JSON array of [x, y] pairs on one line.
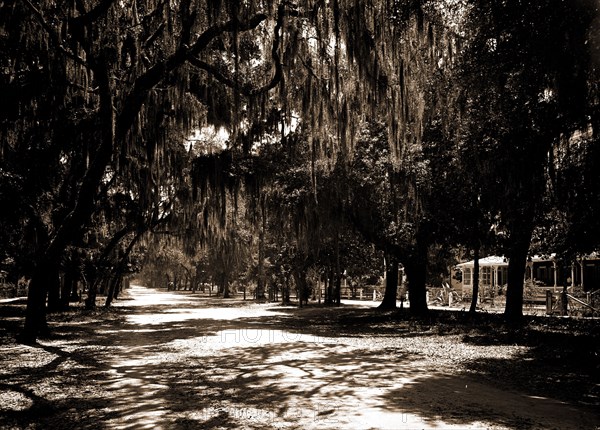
[[546, 271], [493, 275], [543, 271]]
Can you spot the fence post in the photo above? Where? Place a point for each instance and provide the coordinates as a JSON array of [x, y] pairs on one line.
[[548, 302], [564, 307]]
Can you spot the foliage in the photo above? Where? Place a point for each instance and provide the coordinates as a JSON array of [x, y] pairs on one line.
[[421, 124], [531, 98]]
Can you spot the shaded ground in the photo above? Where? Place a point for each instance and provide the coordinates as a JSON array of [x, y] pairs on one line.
[[179, 361]]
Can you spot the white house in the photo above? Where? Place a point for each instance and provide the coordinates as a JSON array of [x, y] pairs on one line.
[[542, 271], [493, 271], [545, 271]]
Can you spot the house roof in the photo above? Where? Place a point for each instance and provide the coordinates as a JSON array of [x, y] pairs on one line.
[[494, 260], [546, 257], [491, 260]]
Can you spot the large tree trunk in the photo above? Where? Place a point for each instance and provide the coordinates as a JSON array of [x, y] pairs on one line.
[[391, 283], [415, 268], [70, 228], [225, 287], [35, 314], [521, 231], [90, 301], [517, 255], [113, 288], [301, 286], [54, 290]]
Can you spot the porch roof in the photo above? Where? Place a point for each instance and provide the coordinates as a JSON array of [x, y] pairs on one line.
[[491, 260]]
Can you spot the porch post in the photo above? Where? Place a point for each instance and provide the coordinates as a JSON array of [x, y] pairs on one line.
[[528, 270], [582, 264], [554, 267], [495, 276], [494, 283]]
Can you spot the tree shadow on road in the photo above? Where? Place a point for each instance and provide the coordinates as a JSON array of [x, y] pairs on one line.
[[311, 368]]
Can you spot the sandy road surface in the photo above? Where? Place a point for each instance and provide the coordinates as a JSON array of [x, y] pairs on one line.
[[175, 360]]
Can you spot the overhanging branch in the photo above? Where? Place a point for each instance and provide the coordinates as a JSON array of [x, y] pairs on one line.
[[53, 34], [97, 12], [148, 80], [247, 89]]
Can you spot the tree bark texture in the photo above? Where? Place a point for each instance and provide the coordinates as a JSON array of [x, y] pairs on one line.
[[415, 268], [391, 284]]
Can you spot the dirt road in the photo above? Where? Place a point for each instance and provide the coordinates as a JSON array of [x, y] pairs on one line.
[[181, 361]]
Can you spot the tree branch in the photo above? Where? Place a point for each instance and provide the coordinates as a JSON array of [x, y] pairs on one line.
[[148, 80], [154, 35], [53, 34], [245, 90], [248, 90], [99, 10]]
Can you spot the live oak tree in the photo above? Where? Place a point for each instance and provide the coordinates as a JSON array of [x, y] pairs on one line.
[[537, 69], [459, 202], [379, 65], [125, 78], [382, 207], [122, 77]]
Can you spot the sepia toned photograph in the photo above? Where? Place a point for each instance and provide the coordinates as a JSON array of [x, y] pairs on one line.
[[310, 214]]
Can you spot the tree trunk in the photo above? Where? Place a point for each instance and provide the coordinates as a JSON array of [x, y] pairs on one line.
[[112, 289], [338, 269], [513, 312], [329, 289], [35, 314], [285, 296], [90, 301], [475, 279], [416, 270], [391, 283], [225, 287], [337, 297], [301, 286], [122, 285], [260, 284], [53, 280]]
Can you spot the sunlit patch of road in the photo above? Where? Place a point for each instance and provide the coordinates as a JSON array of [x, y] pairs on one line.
[[181, 360], [231, 373], [174, 307], [141, 296], [186, 314], [11, 400]]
